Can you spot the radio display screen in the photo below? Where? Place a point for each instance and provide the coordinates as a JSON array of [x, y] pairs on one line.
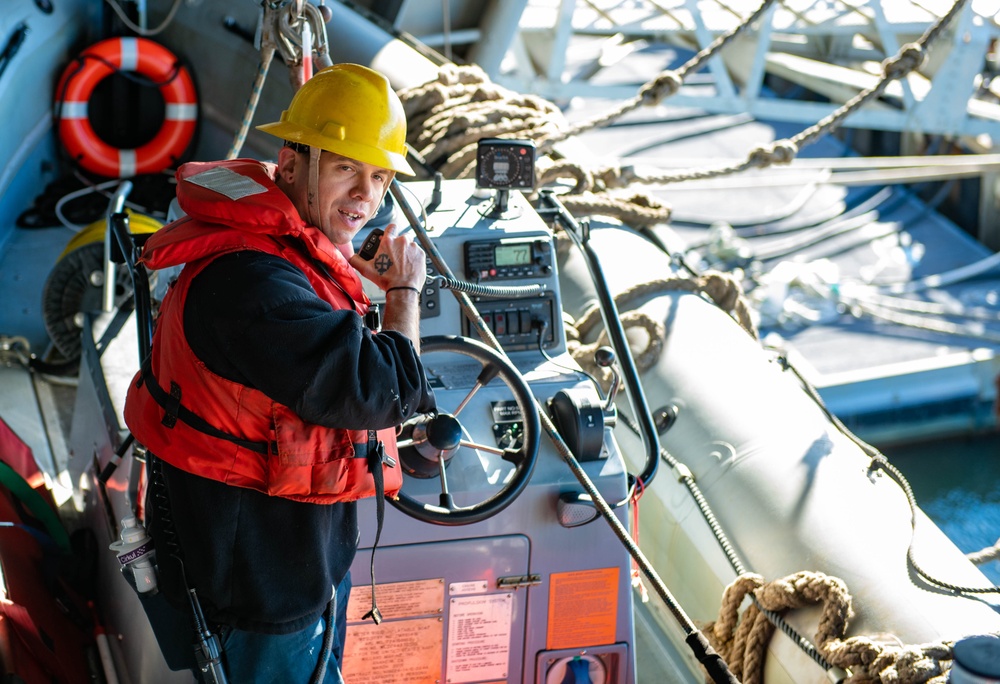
[[512, 255]]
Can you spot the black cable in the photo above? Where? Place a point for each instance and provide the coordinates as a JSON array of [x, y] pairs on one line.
[[880, 462], [324, 657], [491, 291], [706, 510]]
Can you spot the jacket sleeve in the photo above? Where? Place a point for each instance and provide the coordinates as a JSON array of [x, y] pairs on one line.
[[254, 318]]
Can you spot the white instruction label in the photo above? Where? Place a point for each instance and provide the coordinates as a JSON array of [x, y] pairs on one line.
[[478, 637]]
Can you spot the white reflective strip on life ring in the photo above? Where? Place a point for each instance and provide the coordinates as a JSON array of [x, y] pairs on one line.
[[73, 110], [181, 112], [126, 163], [130, 54]]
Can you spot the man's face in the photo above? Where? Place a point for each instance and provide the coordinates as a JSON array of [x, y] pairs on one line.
[[349, 194]]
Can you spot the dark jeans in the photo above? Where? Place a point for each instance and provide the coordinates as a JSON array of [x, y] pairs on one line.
[[254, 658]]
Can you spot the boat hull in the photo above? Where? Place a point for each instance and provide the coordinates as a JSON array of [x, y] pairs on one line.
[[790, 490]]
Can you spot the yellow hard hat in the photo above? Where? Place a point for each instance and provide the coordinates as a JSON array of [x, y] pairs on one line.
[[349, 110]]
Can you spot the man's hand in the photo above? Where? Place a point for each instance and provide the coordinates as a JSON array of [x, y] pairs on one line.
[[399, 262], [400, 269]]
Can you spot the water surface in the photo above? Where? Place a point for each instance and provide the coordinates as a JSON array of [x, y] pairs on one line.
[[957, 484]]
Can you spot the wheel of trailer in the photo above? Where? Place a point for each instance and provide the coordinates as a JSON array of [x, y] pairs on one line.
[[428, 443], [76, 283]]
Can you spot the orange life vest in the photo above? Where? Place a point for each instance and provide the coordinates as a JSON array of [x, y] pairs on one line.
[[213, 427]]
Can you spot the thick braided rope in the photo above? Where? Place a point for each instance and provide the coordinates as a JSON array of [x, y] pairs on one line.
[[664, 85], [589, 195], [909, 58], [743, 642], [448, 116], [636, 210], [721, 288], [644, 359], [985, 555]]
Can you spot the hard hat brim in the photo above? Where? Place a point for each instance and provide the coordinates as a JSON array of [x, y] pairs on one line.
[[345, 148]]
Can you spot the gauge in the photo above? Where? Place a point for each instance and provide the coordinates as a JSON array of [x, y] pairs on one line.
[[505, 164]]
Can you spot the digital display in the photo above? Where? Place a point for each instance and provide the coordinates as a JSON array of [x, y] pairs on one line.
[[505, 164], [512, 255], [498, 172]]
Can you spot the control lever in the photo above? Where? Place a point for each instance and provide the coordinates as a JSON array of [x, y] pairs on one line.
[[581, 414], [605, 358]]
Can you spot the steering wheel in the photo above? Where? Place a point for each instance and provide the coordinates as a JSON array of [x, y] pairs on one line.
[[429, 442]]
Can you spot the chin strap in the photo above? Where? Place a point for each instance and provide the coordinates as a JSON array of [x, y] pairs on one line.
[[312, 192]]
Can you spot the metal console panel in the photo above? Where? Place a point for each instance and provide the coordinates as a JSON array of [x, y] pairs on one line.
[[466, 235], [518, 596]]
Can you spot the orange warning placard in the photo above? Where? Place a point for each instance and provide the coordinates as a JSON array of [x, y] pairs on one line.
[[583, 608]]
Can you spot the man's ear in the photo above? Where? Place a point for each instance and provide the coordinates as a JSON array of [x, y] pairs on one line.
[[287, 164]]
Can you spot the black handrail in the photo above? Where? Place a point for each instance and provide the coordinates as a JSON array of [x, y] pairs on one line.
[[616, 332], [128, 253]]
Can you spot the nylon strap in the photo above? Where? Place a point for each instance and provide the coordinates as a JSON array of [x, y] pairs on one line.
[[376, 455], [175, 410]]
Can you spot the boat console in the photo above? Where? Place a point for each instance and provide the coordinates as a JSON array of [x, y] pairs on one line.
[[520, 580], [494, 565]]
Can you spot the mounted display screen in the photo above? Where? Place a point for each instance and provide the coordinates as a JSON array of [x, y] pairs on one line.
[[505, 164], [512, 255], [508, 258]]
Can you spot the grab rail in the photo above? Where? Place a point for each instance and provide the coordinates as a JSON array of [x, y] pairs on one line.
[[616, 332], [117, 205]]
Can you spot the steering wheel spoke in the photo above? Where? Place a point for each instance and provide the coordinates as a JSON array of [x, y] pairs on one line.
[[435, 440]]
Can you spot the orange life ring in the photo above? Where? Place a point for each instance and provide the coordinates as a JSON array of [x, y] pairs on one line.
[[152, 61]]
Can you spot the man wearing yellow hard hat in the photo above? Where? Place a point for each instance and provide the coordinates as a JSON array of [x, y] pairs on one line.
[[267, 404]]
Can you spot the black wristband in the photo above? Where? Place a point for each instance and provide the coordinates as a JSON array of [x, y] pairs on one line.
[[403, 287]]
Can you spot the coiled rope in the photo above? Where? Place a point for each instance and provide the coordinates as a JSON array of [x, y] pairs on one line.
[[449, 115], [720, 288], [743, 642]]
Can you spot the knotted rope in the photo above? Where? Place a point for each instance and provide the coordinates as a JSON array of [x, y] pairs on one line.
[[448, 116], [743, 642], [721, 288]]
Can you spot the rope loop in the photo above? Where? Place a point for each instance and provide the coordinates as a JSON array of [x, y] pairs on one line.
[[911, 56], [663, 86], [645, 358], [616, 176], [550, 172], [742, 640]]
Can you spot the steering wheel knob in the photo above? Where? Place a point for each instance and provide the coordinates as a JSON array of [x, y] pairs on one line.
[[444, 432]]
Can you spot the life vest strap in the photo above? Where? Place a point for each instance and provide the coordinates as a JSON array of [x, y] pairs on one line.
[[174, 410], [376, 457]]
